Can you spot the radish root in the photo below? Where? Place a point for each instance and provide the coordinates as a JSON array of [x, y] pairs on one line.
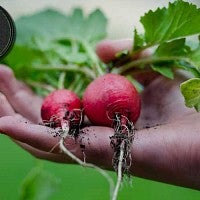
[[121, 143], [119, 172], [71, 129], [89, 165]]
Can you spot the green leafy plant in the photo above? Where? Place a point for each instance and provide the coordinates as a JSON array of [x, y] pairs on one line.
[[191, 91], [38, 184], [167, 32], [53, 49]]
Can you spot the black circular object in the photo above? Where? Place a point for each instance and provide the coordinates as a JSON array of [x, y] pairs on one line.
[[7, 32]]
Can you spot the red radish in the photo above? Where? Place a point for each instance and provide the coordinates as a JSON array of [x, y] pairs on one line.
[[60, 108], [108, 95], [112, 100]]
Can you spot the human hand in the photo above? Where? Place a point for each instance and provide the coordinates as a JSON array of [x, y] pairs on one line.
[[166, 142]]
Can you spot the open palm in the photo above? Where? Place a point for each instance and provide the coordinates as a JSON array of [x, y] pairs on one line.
[[167, 137]]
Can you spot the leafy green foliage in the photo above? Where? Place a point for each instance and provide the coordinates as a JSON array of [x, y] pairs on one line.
[[138, 40], [166, 33], [194, 57], [191, 92], [172, 48], [180, 19], [50, 43], [53, 25], [39, 184], [49, 24], [164, 70]]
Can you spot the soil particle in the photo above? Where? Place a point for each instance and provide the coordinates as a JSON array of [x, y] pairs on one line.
[[82, 146], [147, 126]]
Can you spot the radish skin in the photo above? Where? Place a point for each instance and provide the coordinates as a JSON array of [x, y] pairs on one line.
[[112, 100], [110, 94], [59, 107]]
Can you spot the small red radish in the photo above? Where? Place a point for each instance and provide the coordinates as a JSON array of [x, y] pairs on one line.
[[109, 95], [62, 108]]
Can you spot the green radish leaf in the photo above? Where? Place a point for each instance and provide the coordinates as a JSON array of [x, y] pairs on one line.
[[69, 56], [197, 107], [53, 25], [180, 19], [172, 49], [95, 26], [39, 184], [188, 67], [167, 32], [138, 40], [21, 55], [177, 50], [49, 24], [22, 58], [194, 58], [49, 39], [191, 92], [164, 70]]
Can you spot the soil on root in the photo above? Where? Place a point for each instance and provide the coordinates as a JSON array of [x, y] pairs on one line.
[[124, 133]]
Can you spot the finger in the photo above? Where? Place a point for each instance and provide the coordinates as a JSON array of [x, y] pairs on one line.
[[167, 153], [5, 107], [94, 141], [107, 49], [19, 96], [19, 128]]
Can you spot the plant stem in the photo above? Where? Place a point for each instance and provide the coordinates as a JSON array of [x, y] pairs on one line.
[[89, 165], [147, 60], [70, 67], [47, 87], [97, 68], [119, 172], [61, 80]]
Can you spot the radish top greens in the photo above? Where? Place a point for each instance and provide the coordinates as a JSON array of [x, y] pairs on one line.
[[53, 49], [168, 32]]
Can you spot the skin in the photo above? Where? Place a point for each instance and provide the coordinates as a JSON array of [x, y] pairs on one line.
[[55, 105], [108, 95], [168, 151]]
